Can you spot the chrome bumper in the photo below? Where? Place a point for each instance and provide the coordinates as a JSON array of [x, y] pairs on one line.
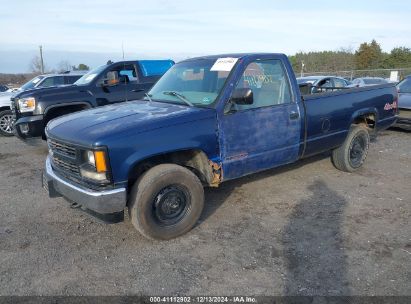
[[103, 202]]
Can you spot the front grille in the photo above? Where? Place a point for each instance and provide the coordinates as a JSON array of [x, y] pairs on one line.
[[67, 167], [62, 148], [64, 157]]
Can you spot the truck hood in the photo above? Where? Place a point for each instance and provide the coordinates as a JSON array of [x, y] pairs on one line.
[[95, 127], [36, 92]]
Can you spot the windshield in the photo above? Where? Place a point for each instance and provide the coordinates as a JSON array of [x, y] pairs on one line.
[[191, 83], [405, 86], [32, 83], [87, 78]]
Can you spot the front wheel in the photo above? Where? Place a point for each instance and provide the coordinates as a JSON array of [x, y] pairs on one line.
[[6, 123], [353, 152], [166, 202]]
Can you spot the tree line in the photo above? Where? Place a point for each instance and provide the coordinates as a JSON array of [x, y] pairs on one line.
[[368, 56]]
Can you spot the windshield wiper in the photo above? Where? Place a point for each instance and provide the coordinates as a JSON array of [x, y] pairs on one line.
[[179, 96]]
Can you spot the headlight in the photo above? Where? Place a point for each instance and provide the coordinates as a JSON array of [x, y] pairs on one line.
[[26, 104], [95, 166], [90, 158]]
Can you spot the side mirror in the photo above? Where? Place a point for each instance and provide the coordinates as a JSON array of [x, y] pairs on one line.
[[243, 96], [112, 79]]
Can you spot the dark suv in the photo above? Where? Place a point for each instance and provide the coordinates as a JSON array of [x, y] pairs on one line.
[[106, 84], [41, 81]]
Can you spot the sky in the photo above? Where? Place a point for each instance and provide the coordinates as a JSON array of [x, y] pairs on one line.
[[91, 32]]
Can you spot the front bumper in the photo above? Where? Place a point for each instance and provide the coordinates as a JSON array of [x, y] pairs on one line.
[[104, 202], [29, 127]]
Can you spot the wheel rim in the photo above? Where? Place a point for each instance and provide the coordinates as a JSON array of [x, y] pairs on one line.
[[358, 150], [171, 204], [6, 123]]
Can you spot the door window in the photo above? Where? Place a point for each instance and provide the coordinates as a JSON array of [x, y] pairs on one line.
[[339, 83], [71, 79], [122, 74], [51, 81], [268, 82]]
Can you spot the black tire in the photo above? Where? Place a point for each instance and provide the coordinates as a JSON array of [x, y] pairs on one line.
[[166, 202], [6, 129], [351, 155]]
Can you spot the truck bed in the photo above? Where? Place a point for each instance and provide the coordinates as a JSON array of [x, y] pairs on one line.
[[328, 115]]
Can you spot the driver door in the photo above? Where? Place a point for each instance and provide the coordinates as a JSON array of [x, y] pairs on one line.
[[263, 134]]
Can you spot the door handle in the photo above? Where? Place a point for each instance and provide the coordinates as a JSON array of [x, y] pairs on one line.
[[137, 90], [294, 115]]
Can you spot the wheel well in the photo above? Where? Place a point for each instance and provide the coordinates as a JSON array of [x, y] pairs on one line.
[[63, 110], [208, 172], [367, 119], [4, 108]]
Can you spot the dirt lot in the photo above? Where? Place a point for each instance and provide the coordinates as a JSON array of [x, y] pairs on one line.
[[302, 229]]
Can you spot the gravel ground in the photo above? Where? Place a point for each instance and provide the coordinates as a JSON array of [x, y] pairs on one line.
[[304, 229]]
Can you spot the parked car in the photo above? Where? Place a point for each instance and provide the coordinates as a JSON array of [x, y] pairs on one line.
[[3, 88], [41, 81], [404, 103], [367, 81], [323, 83], [107, 84], [206, 121]]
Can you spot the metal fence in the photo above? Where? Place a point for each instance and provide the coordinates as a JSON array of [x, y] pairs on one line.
[[350, 75]]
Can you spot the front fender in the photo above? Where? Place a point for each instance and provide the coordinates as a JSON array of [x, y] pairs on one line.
[[65, 104], [125, 152]]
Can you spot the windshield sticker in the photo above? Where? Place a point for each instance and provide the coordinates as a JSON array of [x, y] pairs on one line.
[[224, 64]]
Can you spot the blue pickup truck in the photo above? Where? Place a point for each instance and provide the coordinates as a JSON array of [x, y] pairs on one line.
[[206, 121]]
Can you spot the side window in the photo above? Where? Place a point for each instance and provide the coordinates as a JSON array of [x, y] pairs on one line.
[[268, 82], [325, 83], [339, 83], [51, 81], [128, 73], [71, 79], [120, 74]]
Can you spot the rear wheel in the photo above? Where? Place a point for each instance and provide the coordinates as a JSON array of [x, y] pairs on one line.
[[166, 202], [351, 155], [6, 123]]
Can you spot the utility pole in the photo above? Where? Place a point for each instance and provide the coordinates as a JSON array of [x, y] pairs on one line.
[[122, 48], [302, 68], [41, 59]]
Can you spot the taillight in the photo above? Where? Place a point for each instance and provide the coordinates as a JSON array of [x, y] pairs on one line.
[[395, 103]]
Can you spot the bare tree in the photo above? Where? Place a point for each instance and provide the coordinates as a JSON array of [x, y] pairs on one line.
[[64, 66], [35, 65]]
